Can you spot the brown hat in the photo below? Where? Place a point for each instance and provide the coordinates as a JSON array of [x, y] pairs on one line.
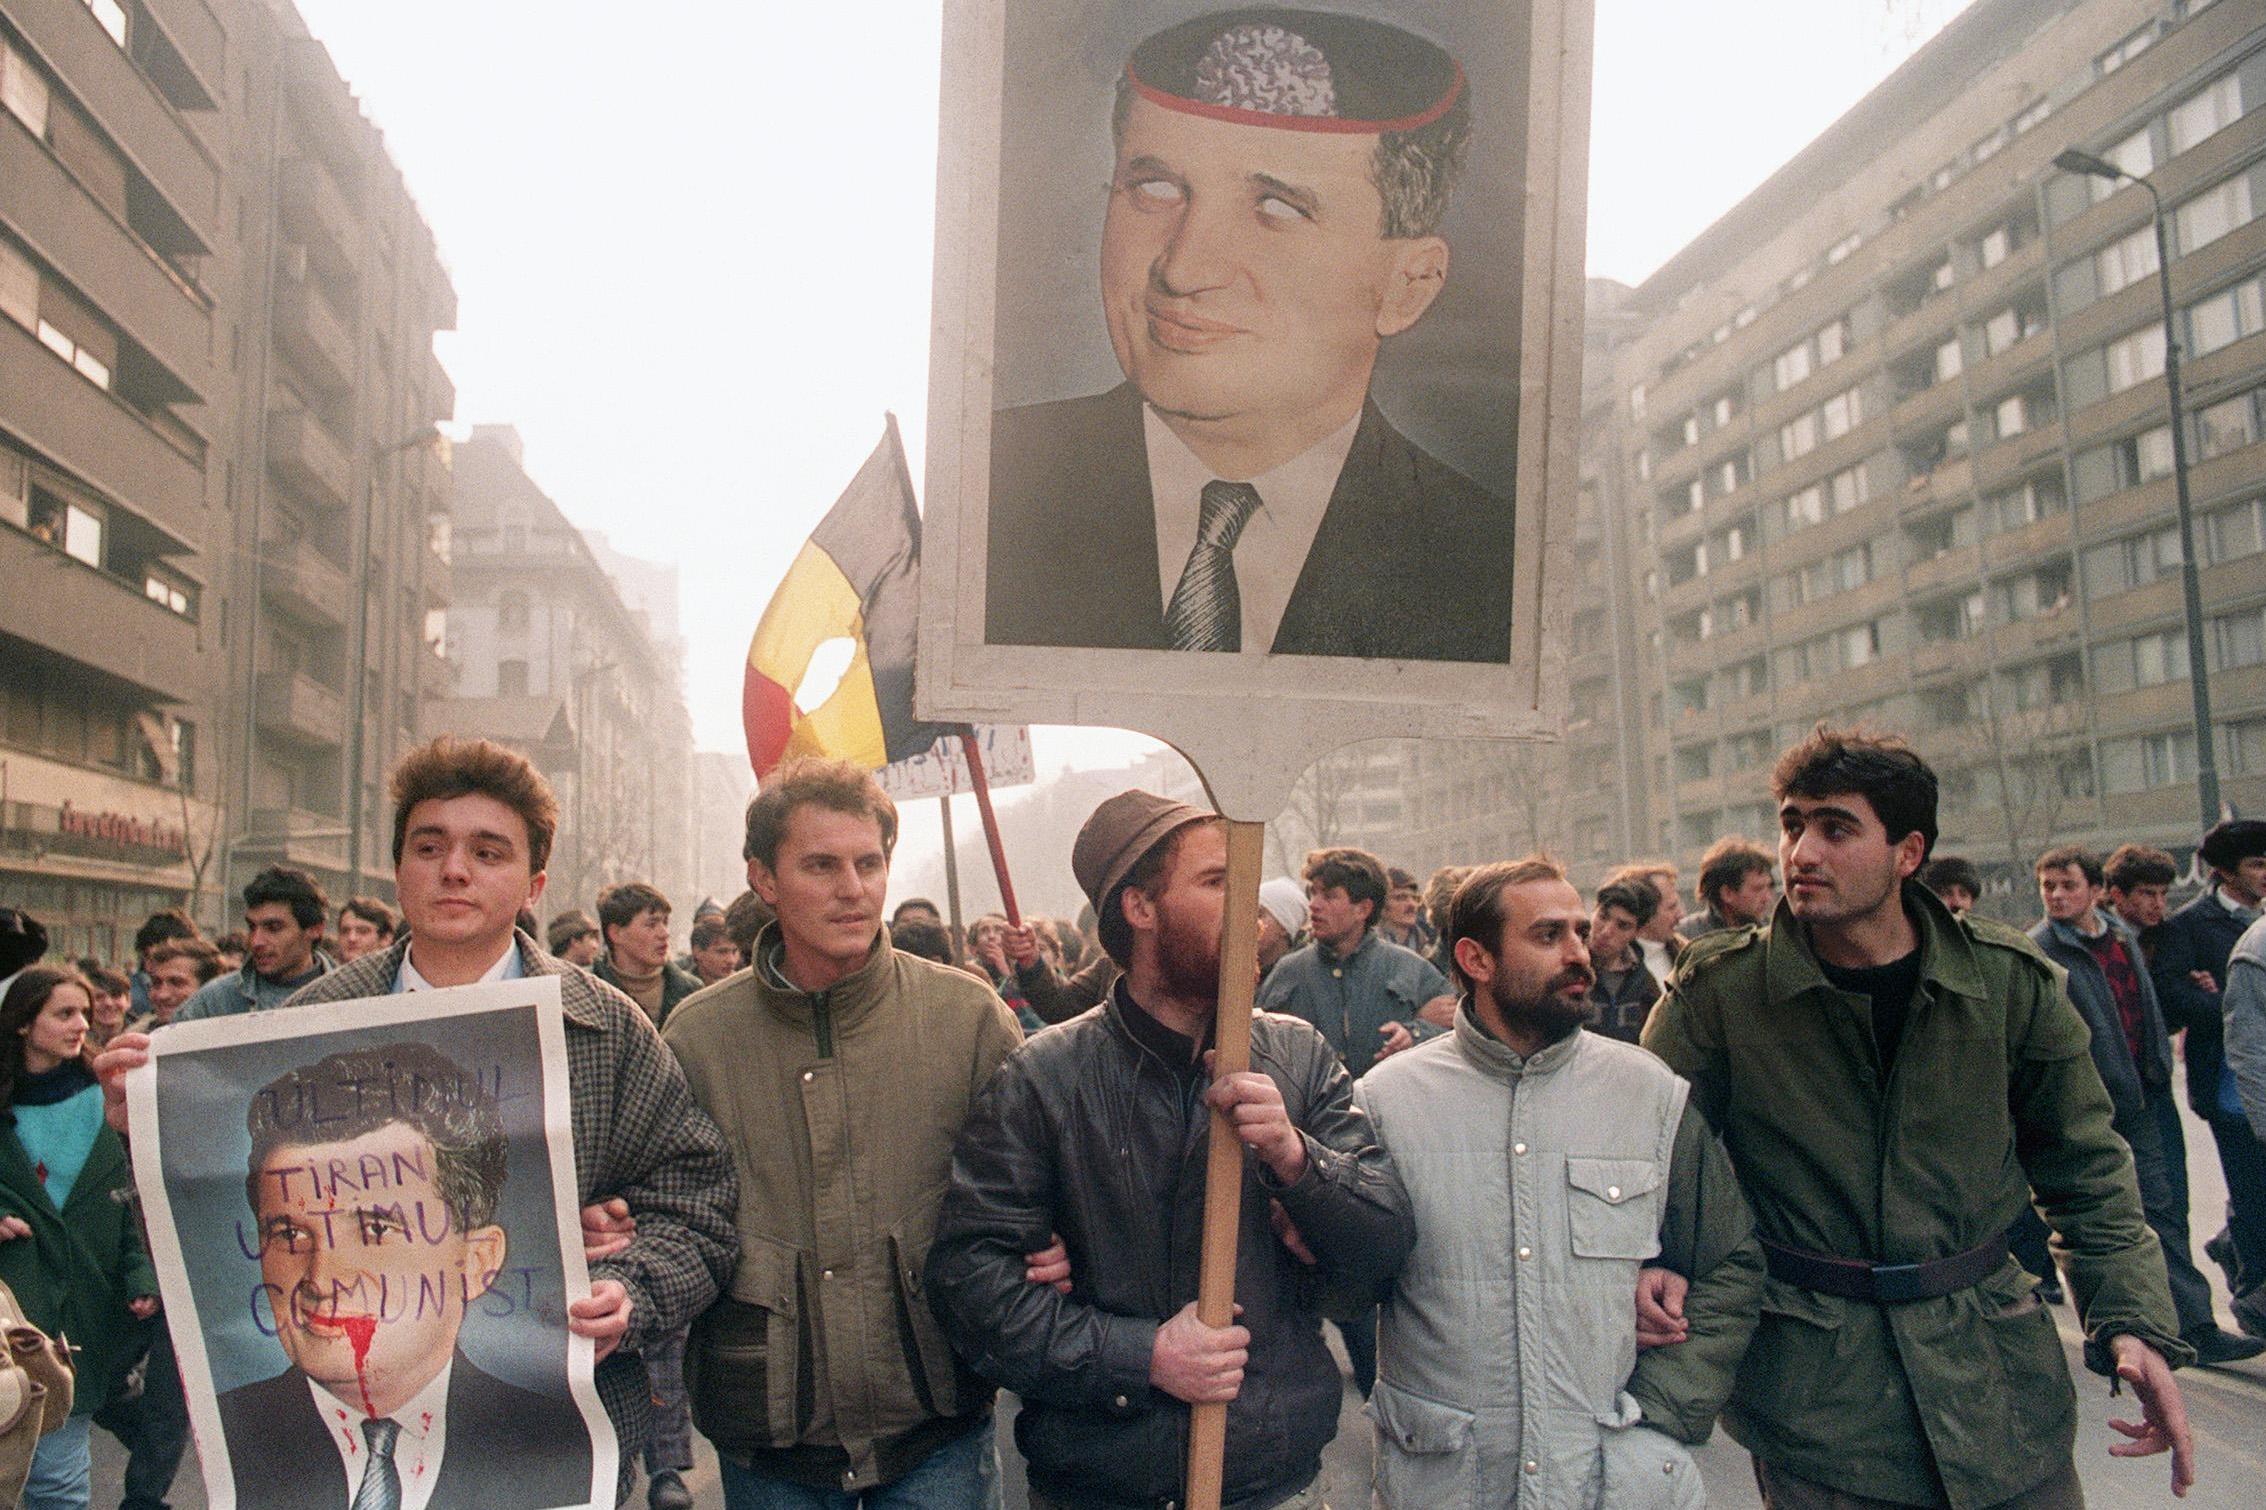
[[1122, 830]]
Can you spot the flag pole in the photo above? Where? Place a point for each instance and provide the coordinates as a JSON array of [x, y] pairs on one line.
[[951, 867], [976, 779]]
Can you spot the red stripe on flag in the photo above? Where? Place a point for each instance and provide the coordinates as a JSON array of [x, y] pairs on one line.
[[767, 711]]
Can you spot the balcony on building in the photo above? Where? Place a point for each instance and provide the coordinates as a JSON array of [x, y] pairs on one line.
[[144, 460], [92, 617], [127, 254], [183, 50], [312, 335], [129, 103], [440, 389], [295, 708], [303, 583], [303, 454], [326, 112], [438, 577], [317, 216], [296, 836]]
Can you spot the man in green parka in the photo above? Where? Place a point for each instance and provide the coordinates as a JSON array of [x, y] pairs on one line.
[[1893, 1083]]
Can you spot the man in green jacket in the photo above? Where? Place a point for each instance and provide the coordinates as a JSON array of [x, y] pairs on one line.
[[840, 1071], [1893, 1084]]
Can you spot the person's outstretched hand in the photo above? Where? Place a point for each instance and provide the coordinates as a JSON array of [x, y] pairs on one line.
[[2162, 1426]]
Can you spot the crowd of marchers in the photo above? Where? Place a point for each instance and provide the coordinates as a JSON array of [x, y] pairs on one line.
[[1571, 1179]]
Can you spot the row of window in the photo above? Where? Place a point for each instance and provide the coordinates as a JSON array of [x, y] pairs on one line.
[[2191, 121], [2099, 471], [44, 311], [2128, 765], [2210, 324], [79, 527], [83, 725]]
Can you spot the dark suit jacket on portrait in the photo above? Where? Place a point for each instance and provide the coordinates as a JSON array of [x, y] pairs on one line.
[[1412, 561], [508, 1448]]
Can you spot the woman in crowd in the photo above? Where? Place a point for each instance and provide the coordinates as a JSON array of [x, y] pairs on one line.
[[69, 1248]]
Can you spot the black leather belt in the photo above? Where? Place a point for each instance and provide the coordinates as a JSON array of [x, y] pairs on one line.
[[1884, 1284]]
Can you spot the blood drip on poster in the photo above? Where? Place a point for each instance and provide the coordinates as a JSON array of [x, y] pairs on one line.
[[360, 1330]]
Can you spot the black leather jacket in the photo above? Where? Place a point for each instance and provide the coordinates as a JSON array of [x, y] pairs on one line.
[[1088, 1132]]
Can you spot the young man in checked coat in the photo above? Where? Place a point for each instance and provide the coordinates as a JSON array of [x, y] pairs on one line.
[[473, 824]]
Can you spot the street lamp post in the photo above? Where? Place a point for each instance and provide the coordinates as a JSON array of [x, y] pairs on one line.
[[2190, 578], [357, 698]]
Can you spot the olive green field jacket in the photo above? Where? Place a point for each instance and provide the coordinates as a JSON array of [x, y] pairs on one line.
[[841, 1108], [1992, 1096]]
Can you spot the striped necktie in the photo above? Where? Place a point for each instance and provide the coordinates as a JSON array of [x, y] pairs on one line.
[[1206, 612], [381, 1481]]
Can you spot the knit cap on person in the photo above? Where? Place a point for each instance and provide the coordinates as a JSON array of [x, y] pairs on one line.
[[1284, 900]]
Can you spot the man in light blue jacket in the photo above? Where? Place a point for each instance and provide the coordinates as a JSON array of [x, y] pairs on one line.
[[284, 912]]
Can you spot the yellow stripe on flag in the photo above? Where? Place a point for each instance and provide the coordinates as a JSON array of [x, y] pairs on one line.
[[816, 603]]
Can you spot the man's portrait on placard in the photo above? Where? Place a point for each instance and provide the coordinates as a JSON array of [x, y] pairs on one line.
[[1256, 354], [371, 1242]]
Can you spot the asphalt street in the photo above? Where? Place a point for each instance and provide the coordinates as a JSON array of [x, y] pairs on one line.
[[2226, 1406]]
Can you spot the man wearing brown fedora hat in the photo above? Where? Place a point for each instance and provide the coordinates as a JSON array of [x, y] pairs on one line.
[[1096, 1130]]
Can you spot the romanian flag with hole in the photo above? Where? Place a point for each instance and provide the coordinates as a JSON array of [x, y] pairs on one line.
[[857, 578]]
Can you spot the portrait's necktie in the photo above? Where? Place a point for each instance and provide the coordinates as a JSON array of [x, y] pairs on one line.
[[1206, 612], [381, 1481]]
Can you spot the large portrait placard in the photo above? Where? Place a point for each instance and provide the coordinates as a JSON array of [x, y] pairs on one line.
[[1256, 371], [363, 1219]]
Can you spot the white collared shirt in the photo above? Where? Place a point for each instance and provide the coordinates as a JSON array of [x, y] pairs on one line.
[[1272, 550], [507, 968], [416, 1451], [2243, 910]]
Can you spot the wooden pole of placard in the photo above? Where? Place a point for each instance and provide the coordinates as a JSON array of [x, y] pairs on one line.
[[1223, 1166]]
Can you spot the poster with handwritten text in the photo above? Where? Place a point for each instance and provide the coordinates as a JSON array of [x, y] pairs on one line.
[[364, 1225]]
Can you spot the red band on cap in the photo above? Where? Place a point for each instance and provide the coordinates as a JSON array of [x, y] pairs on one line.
[[1335, 125]]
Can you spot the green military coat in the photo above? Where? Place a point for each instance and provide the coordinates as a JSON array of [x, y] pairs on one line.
[[1991, 1095]]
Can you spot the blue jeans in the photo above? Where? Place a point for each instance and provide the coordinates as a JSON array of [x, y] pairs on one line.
[[60, 1469], [154, 1426], [963, 1474], [669, 1450], [2164, 1202]]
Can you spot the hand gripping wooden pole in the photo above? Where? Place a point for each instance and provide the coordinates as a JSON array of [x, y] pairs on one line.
[[1223, 1167]]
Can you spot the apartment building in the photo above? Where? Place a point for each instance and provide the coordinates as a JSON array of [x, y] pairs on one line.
[[217, 304], [547, 655], [1899, 436], [335, 563], [1890, 442]]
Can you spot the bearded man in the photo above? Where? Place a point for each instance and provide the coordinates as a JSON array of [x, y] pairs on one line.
[[1507, 1348], [1096, 1130]]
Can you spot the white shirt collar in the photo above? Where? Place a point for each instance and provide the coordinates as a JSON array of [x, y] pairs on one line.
[[2240, 909], [1272, 549], [416, 1452], [509, 967]]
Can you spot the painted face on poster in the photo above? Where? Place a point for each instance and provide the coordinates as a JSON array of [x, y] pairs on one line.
[[367, 1277], [1250, 302]]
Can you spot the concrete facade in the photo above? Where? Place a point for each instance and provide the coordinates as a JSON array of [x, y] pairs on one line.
[[217, 304], [1888, 443], [547, 655]]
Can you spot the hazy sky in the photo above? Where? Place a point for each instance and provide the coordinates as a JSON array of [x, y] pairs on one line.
[[691, 240]]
